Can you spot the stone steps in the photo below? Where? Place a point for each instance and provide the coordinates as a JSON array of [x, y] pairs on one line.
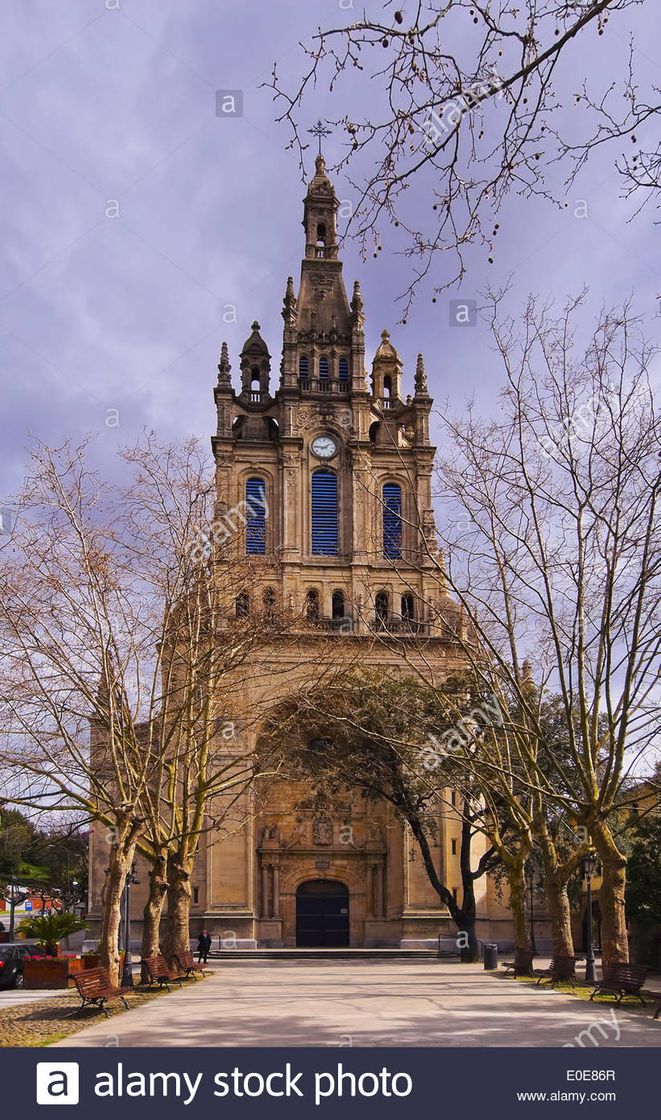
[[322, 954]]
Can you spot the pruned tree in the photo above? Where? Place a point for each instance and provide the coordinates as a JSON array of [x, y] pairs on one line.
[[551, 548], [466, 104], [110, 621]]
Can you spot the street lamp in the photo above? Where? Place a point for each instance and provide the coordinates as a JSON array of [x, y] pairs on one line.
[[588, 866], [127, 971], [16, 896]]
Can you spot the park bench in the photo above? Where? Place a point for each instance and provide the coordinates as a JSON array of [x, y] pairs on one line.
[[159, 972], [522, 963], [94, 987], [186, 965], [622, 980], [561, 968]]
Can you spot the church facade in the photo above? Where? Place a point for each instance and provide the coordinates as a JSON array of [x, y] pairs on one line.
[[341, 463], [331, 469]]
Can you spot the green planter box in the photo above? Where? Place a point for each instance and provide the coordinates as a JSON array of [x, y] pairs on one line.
[[42, 973]]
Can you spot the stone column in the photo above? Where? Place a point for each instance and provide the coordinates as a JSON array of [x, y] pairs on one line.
[[370, 890], [276, 891], [380, 911], [265, 890]]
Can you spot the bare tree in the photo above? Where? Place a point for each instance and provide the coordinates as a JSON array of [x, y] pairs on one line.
[[110, 619], [466, 98], [552, 544]]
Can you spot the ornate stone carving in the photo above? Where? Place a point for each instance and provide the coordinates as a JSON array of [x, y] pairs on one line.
[[374, 831], [306, 416], [297, 838], [270, 833], [322, 831]]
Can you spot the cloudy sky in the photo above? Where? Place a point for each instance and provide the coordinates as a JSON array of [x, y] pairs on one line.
[[135, 220]]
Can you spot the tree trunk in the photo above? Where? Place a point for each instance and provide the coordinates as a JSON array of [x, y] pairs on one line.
[[555, 889], [177, 925], [466, 916], [151, 926], [614, 939], [119, 864], [557, 901], [467, 938], [515, 869]]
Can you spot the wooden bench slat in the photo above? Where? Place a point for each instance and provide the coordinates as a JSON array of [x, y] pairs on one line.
[[622, 979], [94, 987]]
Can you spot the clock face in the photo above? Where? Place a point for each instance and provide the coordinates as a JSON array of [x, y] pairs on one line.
[[324, 447]]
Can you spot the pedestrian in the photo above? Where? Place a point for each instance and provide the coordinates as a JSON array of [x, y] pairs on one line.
[[203, 946]]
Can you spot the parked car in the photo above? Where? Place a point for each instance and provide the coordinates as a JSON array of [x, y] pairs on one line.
[[12, 956]]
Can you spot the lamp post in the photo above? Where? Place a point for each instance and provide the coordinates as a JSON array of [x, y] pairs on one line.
[[588, 865], [127, 971]]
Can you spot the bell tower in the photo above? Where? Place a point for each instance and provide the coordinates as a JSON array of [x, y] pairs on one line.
[[324, 486], [345, 539]]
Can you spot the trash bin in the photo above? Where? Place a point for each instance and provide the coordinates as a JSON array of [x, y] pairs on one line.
[[490, 957]]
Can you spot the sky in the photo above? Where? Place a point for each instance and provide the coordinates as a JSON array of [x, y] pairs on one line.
[[139, 229]]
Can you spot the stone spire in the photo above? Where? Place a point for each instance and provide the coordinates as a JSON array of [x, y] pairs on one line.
[[357, 306], [290, 304], [224, 367], [421, 386]]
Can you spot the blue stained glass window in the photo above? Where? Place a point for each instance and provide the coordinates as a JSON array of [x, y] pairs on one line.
[[323, 367], [344, 369], [303, 366], [255, 517], [392, 521], [324, 514]]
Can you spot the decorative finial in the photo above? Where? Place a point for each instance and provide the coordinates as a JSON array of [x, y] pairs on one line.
[[289, 304], [385, 334], [224, 366], [357, 305], [421, 386], [255, 326], [320, 131]]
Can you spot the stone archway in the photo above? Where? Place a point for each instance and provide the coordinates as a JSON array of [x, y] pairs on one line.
[[322, 914]]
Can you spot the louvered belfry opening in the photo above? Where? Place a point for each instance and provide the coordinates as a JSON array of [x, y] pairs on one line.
[[255, 517], [324, 514], [392, 521]]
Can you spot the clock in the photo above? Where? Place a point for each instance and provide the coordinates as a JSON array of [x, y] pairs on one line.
[[324, 447]]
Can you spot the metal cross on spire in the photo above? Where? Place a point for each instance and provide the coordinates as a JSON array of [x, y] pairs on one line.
[[319, 130]]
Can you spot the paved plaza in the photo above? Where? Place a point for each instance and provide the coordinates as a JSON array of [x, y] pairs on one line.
[[367, 1003]]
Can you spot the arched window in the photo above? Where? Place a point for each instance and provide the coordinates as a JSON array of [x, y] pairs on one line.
[[254, 380], [392, 520], [268, 599], [303, 366], [255, 516], [407, 608], [323, 367], [338, 605], [381, 610], [242, 605], [321, 233], [312, 605], [324, 514], [344, 369], [387, 387]]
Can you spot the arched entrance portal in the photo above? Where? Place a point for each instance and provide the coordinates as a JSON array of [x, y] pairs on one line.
[[322, 915]]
